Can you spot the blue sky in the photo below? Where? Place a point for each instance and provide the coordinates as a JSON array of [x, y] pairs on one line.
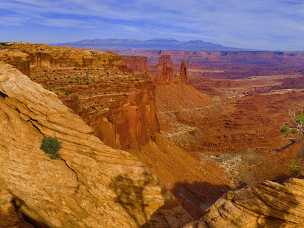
[[256, 24]]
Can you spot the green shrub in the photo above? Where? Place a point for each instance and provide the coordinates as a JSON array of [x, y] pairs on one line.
[[51, 147], [285, 129], [300, 118], [295, 167]]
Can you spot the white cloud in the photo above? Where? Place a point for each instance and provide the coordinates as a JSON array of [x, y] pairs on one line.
[[254, 23]]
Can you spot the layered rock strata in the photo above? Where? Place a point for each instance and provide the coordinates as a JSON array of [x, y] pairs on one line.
[[165, 69], [90, 185], [268, 204], [183, 73], [112, 94]]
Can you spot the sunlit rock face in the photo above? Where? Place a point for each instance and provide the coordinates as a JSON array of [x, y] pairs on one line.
[[88, 185], [137, 64], [268, 204], [165, 69], [113, 94]]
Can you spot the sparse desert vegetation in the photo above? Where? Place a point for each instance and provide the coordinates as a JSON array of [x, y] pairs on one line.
[[51, 147]]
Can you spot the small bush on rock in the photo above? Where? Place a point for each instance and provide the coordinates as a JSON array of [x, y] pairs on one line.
[[51, 147], [295, 168], [285, 130]]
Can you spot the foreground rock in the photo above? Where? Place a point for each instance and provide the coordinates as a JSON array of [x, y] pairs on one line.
[[90, 185], [266, 205]]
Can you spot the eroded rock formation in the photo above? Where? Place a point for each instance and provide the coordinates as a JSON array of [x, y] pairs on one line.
[[183, 73], [137, 64], [17, 58], [268, 204], [90, 185], [165, 69], [99, 86]]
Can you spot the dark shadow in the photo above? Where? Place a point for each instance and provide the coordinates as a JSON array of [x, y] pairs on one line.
[[170, 215], [23, 217], [190, 202], [3, 95], [291, 143], [196, 197]]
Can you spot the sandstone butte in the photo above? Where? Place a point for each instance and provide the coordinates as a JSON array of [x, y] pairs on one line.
[[91, 185], [166, 68], [165, 71]]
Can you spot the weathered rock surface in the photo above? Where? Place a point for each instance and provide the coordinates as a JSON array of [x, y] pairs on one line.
[[183, 72], [91, 185], [165, 69], [137, 64], [17, 58], [268, 204], [9, 216], [111, 93], [180, 108]]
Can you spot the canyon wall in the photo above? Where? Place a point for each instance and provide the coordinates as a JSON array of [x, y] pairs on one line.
[[112, 94], [165, 69], [183, 72], [17, 58], [88, 185], [136, 63], [118, 102], [166, 72], [230, 64]]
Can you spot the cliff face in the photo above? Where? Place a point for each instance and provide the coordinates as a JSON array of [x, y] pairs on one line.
[[165, 68], [165, 71], [101, 87], [136, 63], [266, 205], [90, 185], [183, 73], [17, 58]]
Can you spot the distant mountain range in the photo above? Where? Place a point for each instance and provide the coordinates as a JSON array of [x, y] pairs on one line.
[[154, 44]]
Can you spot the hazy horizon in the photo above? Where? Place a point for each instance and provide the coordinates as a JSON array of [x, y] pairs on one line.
[[260, 25]]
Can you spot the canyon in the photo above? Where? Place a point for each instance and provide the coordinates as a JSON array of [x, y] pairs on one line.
[[90, 185], [228, 64], [199, 124], [123, 112]]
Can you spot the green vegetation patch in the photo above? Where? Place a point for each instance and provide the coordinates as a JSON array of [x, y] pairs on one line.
[[285, 129], [295, 167], [51, 147], [300, 118]]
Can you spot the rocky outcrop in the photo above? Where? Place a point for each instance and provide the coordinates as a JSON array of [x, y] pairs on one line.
[[17, 58], [165, 69], [44, 56], [109, 92], [183, 72], [89, 185], [137, 64], [268, 204]]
